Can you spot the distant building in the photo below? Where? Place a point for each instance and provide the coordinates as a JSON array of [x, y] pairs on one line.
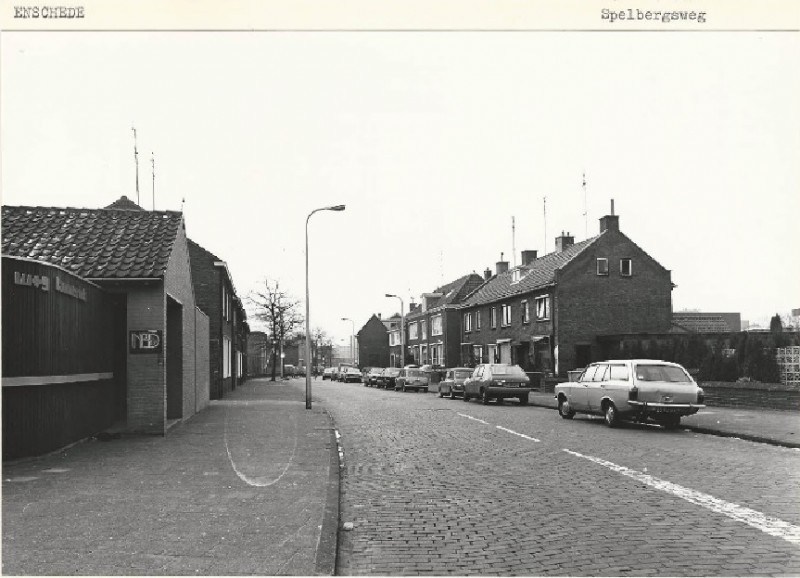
[[697, 322], [373, 343]]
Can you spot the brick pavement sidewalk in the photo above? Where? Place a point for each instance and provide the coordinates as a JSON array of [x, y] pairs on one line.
[[247, 486], [762, 425]]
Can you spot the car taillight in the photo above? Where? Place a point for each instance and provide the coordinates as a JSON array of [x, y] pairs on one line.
[[701, 396], [633, 394]]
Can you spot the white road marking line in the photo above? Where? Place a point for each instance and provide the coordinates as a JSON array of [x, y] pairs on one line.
[[517, 433], [767, 524], [473, 418]]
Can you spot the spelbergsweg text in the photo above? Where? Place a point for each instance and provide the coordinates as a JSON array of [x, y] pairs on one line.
[[665, 16]]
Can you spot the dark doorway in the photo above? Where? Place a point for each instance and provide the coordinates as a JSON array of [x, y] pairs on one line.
[[174, 355], [583, 355]]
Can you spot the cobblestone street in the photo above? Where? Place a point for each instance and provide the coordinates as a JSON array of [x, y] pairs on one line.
[[437, 486]]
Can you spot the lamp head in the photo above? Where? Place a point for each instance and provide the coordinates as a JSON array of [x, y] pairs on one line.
[[336, 208], [390, 295]]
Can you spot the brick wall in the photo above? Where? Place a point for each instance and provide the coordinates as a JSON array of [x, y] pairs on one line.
[[587, 305], [373, 344], [208, 293], [751, 395], [147, 372], [178, 283], [201, 352]]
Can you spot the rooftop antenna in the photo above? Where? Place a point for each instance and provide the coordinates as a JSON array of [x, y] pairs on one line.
[[136, 159], [585, 219], [153, 163], [513, 241], [544, 199], [441, 266]]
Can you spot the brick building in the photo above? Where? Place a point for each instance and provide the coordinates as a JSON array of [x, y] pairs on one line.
[[373, 343], [547, 313], [433, 327], [392, 325], [216, 296], [140, 260]]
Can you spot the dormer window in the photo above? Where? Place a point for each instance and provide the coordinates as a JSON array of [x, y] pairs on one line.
[[516, 275], [625, 267], [602, 266]]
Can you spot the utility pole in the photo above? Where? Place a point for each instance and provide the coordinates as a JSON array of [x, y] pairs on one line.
[[136, 160]]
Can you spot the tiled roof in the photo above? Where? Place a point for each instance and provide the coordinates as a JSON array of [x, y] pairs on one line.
[[124, 203], [93, 243], [539, 273]]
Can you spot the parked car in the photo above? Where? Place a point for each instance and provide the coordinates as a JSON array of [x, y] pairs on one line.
[[289, 370], [436, 374], [387, 377], [328, 372], [497, 381], [412, 378], [372, 376], [632, 389], [350, 374], [453, 382], [340, 370]]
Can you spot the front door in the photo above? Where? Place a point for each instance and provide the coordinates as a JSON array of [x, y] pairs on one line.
[[505, 353]]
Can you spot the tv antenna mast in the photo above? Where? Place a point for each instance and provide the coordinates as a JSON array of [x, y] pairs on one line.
[[136, 159], [153, 163], [513, 241], [544, 200], [585, 219]]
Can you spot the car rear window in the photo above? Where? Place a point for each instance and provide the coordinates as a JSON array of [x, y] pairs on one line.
[[463, 374], [653, 372], [507, 370], [415, 373], [392, 371]]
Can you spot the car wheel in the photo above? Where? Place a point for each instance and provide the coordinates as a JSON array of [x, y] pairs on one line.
[[452, 394], [670, 421], [523, 399], [441, 393], [611, 415], [485, 397], [564, 409]]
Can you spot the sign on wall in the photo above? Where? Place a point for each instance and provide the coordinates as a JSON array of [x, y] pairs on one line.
[[145, 341]]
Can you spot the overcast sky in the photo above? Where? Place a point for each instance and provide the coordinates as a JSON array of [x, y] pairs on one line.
[[433, 141]]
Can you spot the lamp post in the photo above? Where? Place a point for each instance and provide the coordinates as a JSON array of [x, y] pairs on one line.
[[402, 330], [352, 339], [308, 323]]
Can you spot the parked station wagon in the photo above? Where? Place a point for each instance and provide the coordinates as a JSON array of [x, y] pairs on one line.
[[497, 381], [632, 389]]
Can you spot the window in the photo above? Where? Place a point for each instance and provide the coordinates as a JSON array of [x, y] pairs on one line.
[[543, 308], [394, 337], [625, 267], [412, 331], [619, 373], [515, 275], [226, 357], [436, 355], [224, 303], [525, 312], [477, 353], [467, 321], [478, 319], [601, 374], [493, 317], [491, 353], [423, 354], [602, 266], [436, 325], [506, 310], [423, 329]]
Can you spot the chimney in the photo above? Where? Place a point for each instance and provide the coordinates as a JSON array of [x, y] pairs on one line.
[[487, 274], [528, 257], [379, 316], [610, 222], [502, 266], [564, 241]]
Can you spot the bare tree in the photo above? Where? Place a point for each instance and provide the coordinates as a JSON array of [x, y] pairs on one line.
[[320, 341], [279, 311]]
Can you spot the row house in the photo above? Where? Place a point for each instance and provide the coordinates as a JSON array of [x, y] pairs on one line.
[[546, 314], [433, 327], [373, 343], [393, 328], [216, 296]]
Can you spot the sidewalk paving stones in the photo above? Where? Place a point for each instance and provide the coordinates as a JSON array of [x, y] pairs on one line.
[[243, 487]]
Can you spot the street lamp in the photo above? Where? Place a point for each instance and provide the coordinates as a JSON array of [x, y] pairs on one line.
[[352, 339], [402, 330], [308, 324]]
